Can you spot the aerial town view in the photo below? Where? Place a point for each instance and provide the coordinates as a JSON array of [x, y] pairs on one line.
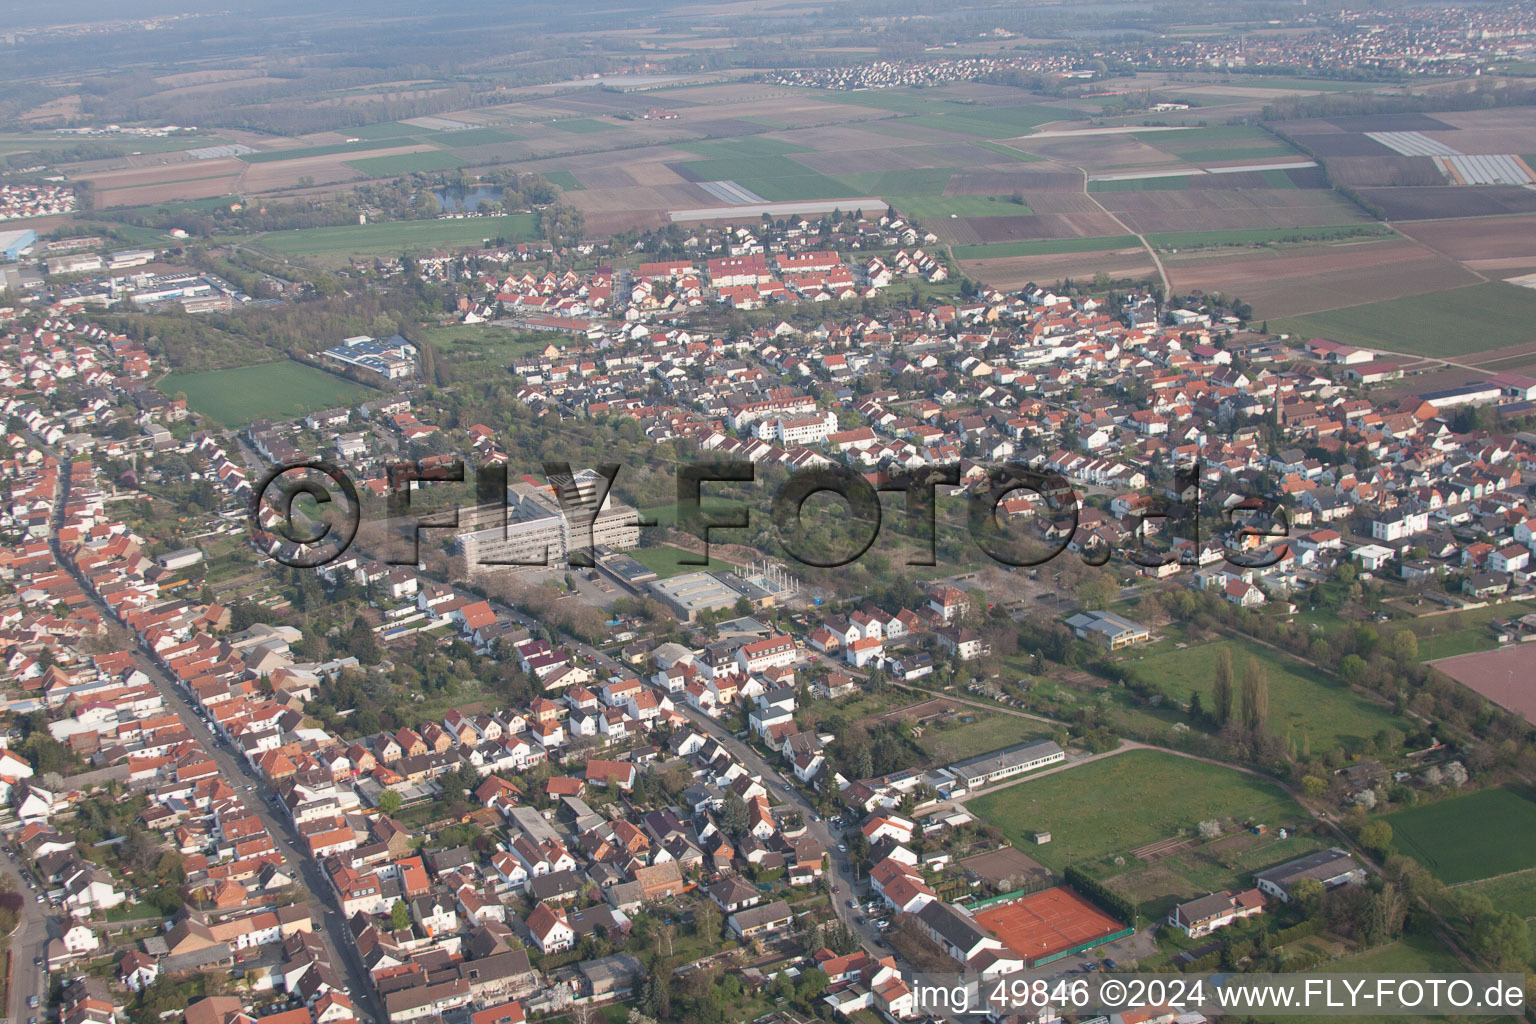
[[764, 512]]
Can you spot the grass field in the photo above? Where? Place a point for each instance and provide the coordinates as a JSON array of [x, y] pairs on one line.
[[1266, 236], [277, 391], [405, 163], [1454, 322], [336, 246], [1490, 832], [1120, 803], [1044, 247], [1302, 701], [665, 561]]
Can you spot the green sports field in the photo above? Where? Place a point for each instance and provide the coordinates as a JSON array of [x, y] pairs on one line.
[[1479, 835], [1453, 322], [1117, 804], [336, 246], [1303, 702], [277, 391]]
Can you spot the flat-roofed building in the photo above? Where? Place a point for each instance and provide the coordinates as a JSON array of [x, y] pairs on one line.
[[986, 769]]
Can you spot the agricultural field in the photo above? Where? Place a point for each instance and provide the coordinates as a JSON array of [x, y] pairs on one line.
[[1478, 835], [1450, 323], [1138, 797], [1043, 247], [1305, 704], [277, 391], [1290, 280], [583, 125], [336, 246], [1266, 236], [406, 163], [360, 146]]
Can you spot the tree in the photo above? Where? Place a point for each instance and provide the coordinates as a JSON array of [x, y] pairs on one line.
[[389, 802], [399, 916], [1221, 688], [1255, 697], [1405, 645], [1307, 894], [1503, 939], [1376, 836]]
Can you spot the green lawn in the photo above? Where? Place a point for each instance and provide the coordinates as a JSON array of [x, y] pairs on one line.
[[337, 245], [1117, 804], [1044, 247], [666, 561], [1489, 832], [406, 163], [1267, 236], [583, 125], [1303, 702], [277, 391], [1453, 322]]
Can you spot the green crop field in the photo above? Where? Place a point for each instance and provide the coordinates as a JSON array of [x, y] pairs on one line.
[[471, 137], [336, 246], [915, 181], [1164, 183], [935, 207], [1116, 804], [748, 146], [1009, 151], [1267, 236], [1302, 701], [277, 391], [775, 178], [405, 163], [1044, 247], [992, 122], [268, 156], [389, 130], [583, 125], [565, 179], [1453, 322], [1490, 832]]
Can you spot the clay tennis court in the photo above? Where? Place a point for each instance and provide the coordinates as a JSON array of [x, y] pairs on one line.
[[1048, 922]]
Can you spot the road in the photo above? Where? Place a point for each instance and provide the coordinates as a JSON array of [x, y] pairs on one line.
[[28, 942], [841, 863], [324, 908]]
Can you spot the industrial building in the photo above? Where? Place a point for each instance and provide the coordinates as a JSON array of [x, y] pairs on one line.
[[532, 529]]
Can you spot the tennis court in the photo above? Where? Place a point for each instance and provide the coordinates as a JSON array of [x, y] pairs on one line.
[[1048, 924]]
